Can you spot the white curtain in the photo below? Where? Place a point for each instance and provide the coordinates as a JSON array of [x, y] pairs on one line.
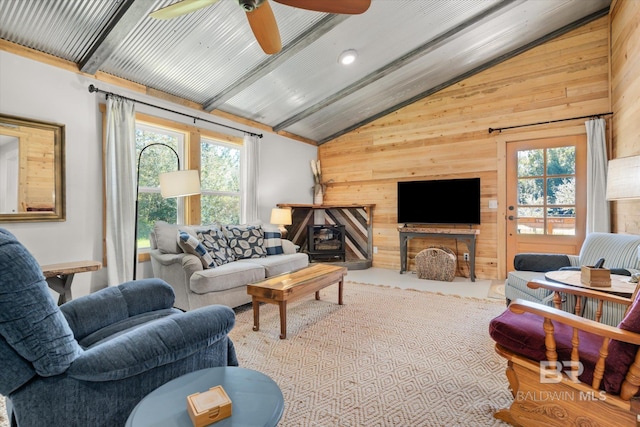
[[250, 175], [120, 165], [597, 205]]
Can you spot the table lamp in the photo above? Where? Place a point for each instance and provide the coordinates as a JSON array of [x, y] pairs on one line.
[[281, 217]]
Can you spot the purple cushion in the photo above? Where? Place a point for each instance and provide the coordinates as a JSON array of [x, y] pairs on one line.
[[523, 334], [622, 354]]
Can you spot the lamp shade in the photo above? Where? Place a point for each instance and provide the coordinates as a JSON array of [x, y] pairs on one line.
[[281, 216], [623, 178], [179, 183]]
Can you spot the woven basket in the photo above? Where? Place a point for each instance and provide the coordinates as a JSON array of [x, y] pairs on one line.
[[436, 264]]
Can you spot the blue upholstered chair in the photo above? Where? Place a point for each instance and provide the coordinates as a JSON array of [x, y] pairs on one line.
[[91, 360]]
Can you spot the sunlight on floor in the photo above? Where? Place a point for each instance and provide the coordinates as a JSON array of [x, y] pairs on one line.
[[460, 286]]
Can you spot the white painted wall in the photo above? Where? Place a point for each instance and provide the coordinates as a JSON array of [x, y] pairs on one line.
[[38, 91]]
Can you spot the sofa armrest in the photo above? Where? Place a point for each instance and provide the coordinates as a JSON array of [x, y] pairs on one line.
[[191, 264], [105, 307], [288, 247], [155, 344], [166, 259]]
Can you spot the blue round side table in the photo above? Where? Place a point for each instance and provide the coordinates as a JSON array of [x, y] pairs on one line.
[[256, 400]]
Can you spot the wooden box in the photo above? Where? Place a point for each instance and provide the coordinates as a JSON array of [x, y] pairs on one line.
[[208, 407], [595, 277]]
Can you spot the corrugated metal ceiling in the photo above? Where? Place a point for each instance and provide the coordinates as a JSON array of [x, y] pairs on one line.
[[407, 49]]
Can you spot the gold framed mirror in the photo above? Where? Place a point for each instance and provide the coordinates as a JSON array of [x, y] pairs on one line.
[[32, 186]]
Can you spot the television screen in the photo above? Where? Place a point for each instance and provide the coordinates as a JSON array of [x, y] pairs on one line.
[[447, 201]]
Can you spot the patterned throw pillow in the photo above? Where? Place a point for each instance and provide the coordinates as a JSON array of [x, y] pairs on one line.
[[216, 244], [272, 240], [192, 245], [246, 241]]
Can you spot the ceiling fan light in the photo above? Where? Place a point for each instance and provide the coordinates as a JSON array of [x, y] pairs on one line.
[[348, 57]]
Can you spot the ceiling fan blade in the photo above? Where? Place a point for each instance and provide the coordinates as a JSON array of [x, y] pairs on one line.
[[265, 29], [350, 7], [181, 8]]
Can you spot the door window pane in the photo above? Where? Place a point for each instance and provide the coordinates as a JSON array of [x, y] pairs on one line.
[[547, 191], [561, 161], [530, 220], [530, 191], [530, 163]]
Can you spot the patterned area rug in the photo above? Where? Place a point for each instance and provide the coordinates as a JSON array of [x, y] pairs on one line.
[[497, 290], [387, 357], [3, 413]]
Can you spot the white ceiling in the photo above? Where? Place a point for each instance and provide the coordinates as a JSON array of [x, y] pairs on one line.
[[407, 49]]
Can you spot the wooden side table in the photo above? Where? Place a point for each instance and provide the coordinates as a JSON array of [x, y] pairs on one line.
[[60, 276], [620, 285]]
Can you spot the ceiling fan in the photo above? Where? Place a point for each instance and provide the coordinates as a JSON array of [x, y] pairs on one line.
[[260, 15]]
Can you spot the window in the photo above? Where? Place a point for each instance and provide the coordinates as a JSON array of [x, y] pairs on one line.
[[547, 191], [220, 182], [220, 175], [154, 161]]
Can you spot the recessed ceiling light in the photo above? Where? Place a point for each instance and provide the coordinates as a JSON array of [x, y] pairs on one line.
[[348, 57]]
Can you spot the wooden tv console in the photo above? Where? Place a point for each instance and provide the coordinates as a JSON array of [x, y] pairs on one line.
[[468, 236]]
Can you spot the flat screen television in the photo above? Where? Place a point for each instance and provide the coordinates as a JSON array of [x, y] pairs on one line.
[[445, 201]]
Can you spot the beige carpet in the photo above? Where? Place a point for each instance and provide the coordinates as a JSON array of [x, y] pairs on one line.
[[388, 357], [3, 413]]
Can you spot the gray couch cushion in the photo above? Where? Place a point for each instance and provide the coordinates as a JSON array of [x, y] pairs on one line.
[[226, 276], [280, 264], [166, 236]]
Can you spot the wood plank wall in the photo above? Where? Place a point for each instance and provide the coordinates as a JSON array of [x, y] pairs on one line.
[[36, 168], [625, 96], [446, 136]]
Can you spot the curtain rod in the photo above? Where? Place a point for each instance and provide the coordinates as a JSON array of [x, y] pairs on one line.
[[550, 121], [92, 89]]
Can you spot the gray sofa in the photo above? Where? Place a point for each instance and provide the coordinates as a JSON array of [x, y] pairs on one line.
[[253, 253], [620, 252]]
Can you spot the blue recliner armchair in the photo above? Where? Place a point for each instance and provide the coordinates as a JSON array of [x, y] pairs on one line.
[[91, 360]]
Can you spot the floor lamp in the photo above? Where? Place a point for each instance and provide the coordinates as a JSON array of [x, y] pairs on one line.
[[178, 183]]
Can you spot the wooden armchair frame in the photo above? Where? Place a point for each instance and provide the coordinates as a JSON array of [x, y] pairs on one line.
[[568, 401]]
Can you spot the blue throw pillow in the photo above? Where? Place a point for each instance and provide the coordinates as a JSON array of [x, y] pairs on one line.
[[191, 245], [272, 240]]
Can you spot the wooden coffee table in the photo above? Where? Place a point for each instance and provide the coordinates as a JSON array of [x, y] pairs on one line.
[[291, 286]]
